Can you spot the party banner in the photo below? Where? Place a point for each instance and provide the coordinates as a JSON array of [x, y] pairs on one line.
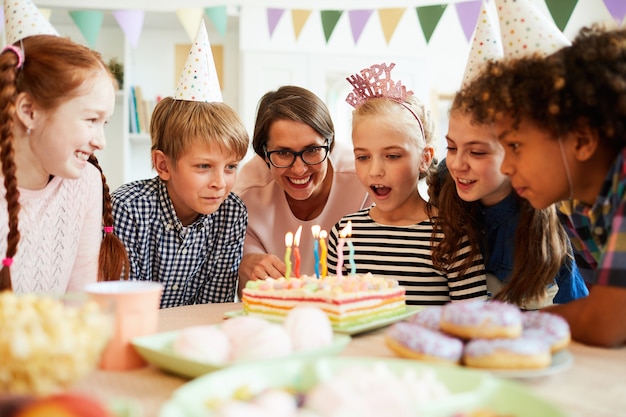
[[329, 21], [89, 22], [561, 11], [468, 12], [131, 23], [429, 17], [219, 17], [273, 17], [358, 20], [299, 18], [389, 19], [617, 8]]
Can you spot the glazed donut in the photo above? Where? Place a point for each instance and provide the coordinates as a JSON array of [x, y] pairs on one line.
[[416, 342], [546, 326], [429, 318], [520, 353], [479, 319]]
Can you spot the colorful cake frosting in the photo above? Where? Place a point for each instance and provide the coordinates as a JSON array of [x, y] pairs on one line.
[[348, 300]]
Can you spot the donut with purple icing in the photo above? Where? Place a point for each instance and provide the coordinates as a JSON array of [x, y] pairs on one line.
[[519, 353], [429, 317], [477, 319], [547, 326], [413, 341]]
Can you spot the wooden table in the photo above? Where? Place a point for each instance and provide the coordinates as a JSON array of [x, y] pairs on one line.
[[595, 385]]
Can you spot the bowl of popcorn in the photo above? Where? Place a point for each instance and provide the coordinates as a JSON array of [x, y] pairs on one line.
[[47, 343]]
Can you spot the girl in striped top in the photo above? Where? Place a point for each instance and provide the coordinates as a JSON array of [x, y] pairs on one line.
[[393, 136]]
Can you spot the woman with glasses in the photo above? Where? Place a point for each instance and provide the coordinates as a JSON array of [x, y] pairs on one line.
[[299, 177]]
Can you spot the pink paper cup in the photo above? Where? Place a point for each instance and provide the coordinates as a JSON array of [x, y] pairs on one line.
[[136, 309]]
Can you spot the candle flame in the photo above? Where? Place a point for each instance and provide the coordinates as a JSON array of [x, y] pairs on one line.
[[346, 231], [296, 238], [323, 234], [288, 239], [316, 230]]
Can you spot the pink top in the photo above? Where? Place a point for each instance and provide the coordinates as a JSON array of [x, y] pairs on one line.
[[269, 215], [61, 230]]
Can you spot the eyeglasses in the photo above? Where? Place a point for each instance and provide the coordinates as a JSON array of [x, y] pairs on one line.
[[284, 158]]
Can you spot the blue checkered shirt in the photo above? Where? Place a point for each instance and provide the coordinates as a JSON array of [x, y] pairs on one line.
[[196, 264], [598, 232]]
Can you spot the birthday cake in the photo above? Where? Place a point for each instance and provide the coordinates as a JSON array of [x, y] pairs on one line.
[[347, 300]]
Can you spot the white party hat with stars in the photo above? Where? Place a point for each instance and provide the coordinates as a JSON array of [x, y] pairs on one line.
[[525, 30], [198, 81], [23, 19], [486, 44]]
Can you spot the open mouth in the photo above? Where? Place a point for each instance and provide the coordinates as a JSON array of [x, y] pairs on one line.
[[463, 181], [380, 190], [300, 181], [81, 155]]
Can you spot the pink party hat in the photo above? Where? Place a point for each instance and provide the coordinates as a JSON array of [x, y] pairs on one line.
[[198, 81], [23, 19], [486, 44], [525, 30]]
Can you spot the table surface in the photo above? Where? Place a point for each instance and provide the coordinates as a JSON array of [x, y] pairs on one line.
[[595, 385]]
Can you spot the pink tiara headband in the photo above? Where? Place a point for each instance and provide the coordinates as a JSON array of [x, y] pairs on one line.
[[376, 82]]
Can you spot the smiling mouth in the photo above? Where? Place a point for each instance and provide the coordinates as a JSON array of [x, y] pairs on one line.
[[380, 190], [299, 181], [82, 155], [465, 182]]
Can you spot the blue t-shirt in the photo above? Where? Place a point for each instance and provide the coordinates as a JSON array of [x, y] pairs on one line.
[[500, 223]]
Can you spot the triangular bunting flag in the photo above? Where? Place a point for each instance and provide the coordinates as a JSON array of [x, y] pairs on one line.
[[617, 8], [389, 19], [561, 11], [131, 23], [298, 18], [329, 21], [273, 17], [89, 22], [429, 17], [358, 20], [467, 12], [190, 18], [219, 17]]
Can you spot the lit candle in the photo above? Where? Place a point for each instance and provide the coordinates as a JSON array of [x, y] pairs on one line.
[[342, 238], [348, 230], [288, 243], [316, 254], [324, 264], [296, 251]]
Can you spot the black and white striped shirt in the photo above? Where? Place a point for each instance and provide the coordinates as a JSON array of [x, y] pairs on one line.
[[404, 253]]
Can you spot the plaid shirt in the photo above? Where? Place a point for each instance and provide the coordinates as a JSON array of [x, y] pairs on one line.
[[598, 232], [196, 264]]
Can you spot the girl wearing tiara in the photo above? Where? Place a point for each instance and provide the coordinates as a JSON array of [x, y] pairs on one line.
[[393, 136]]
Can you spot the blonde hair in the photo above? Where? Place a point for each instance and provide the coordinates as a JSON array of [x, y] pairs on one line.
[[403, 119], [178, 124]]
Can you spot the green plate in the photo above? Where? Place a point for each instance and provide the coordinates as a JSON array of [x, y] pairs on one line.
[[470, 390], [157, 350], [351, 330]]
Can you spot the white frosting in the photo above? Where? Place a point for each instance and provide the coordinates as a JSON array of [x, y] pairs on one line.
[[203, 343], [309, 328]]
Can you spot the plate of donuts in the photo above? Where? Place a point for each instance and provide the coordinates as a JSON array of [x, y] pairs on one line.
[[487, 335]]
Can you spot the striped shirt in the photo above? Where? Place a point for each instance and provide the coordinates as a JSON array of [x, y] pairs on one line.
[[404, 253], [598, 232], [198, 263]]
